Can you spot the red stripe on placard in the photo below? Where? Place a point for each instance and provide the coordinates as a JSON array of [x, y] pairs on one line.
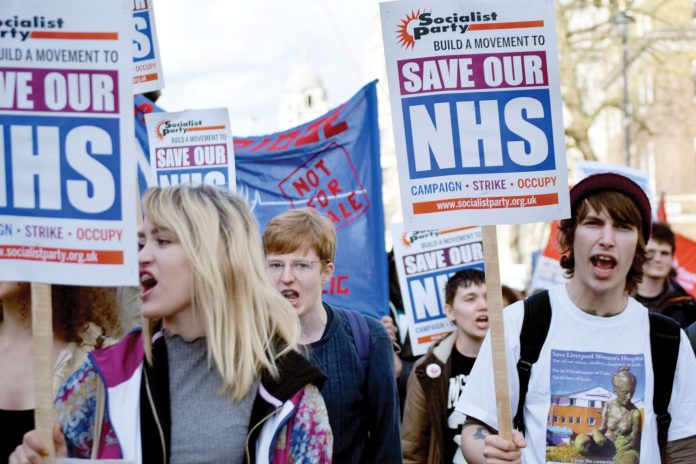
[[432, 337], [512, 25], [204, 128], [454, 204], [74, 35], [60, 255], [145, 78]]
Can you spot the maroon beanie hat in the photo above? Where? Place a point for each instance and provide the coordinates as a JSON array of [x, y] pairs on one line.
[[618, 183]]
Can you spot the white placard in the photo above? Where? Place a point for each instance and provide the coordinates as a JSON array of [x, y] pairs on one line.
[[476, 109], [147, 63], [191, 147], [67, 172], [424, 262], [587, 168]]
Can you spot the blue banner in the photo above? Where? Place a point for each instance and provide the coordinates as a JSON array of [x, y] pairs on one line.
[[331, 164]]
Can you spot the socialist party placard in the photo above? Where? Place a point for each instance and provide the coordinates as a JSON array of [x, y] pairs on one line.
[[476, 108], [147, 64], [67, 173], [191, 147], [425, 260]]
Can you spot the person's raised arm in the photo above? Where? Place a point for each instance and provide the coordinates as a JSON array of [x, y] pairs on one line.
[[480, 445]]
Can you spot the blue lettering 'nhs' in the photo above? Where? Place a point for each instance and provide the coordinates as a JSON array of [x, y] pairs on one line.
[[60, 167], [479, 132], [143, 48], [427, 293]]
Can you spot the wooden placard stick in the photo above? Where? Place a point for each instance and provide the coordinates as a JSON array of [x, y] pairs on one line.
[[497, 329], [138, 201], [42, 345]]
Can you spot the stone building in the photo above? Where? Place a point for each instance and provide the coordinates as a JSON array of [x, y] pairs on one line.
[[303, 98]]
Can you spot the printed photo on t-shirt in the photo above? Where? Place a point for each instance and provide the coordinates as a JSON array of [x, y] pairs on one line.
[[596, 413]]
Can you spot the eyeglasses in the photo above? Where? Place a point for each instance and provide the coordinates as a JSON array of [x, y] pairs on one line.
[[298, 268]]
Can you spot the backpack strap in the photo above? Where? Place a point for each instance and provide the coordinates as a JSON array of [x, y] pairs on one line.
[[665, 337], [535, 327], [361, 335]]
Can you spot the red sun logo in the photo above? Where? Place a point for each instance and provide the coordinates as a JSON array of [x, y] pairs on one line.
[[158, 130], [406, 39]]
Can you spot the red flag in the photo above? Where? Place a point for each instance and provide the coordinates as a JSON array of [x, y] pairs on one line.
[[686, 263], [661, 210]]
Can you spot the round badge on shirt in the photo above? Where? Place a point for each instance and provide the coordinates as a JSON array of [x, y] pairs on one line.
[[433, 371]]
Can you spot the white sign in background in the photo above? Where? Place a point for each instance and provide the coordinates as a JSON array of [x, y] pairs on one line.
[[67, 173], [147, 64], [587, 168], [476, 108], [424, 262], [191, 147]]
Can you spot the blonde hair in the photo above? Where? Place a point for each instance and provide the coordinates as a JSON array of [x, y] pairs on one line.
[[300, 229], [248, 324]]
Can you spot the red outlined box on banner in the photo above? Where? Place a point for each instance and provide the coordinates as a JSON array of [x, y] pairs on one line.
[[329, 182]]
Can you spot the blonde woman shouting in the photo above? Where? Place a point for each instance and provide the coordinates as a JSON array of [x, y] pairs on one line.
[[215, 375]]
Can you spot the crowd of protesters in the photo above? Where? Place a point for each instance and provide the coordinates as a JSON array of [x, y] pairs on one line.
[[240, 360]]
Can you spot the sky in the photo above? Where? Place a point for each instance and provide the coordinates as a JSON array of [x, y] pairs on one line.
[[239, 55]]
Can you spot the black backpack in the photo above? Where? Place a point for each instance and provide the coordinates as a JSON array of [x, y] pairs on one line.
[[664, 347]]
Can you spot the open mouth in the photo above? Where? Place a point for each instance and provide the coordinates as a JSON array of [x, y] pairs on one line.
[[290, 295], [482, 321], [147, 281], [603, 263]]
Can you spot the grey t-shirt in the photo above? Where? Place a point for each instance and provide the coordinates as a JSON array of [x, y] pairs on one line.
[[206, 426]]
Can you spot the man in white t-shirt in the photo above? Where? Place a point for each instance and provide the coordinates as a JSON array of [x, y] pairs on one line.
[[590, 395]]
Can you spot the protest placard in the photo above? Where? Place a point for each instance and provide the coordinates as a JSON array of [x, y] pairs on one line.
[[476, 107], [547, 270], [477, 116], [587, 168], [424, 262], [147, 64], [191, 147], [67, 183]]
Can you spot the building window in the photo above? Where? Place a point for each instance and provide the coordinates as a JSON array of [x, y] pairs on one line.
[[591, 421], [570, 420], [573, 401], [563, 420], [577, 420], [555, 419], [693, 76], [643, 23], [646, 89]]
